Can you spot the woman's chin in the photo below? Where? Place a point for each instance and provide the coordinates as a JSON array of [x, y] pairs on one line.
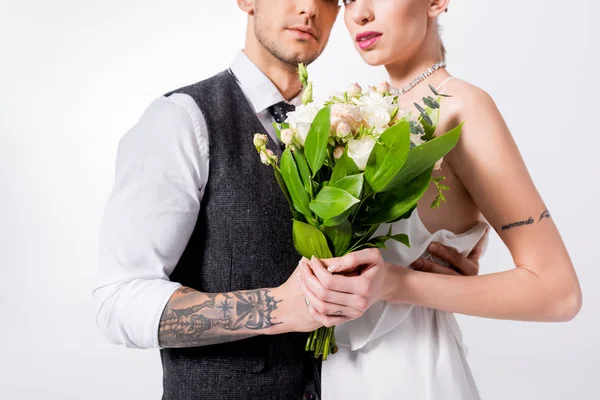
[[372, 59]]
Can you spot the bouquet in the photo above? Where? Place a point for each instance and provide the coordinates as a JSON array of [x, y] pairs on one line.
[[350, 165]]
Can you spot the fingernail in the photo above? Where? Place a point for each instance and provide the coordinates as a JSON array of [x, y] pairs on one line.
[[312, 258], [432, 247], [332, 268]]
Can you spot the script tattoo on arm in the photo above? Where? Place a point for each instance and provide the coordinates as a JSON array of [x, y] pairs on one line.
[[529, 221], [545, 214], [192, 318]]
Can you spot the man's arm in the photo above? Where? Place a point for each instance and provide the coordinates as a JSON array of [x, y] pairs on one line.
[[160, 172], [148, 221], [192, 318]]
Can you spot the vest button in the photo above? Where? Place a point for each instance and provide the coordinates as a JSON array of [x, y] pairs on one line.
[[308, 396]]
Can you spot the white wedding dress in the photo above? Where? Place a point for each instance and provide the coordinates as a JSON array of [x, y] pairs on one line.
[[398, 351]]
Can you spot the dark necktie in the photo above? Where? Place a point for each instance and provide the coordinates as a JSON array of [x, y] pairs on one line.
[[279, 111]]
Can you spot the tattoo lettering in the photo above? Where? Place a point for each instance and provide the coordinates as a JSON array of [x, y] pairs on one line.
[[545, 214], [193, 318], [530, 221], [517, 224]]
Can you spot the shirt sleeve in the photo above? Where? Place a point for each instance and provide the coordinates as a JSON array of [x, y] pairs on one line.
[[160, 175]]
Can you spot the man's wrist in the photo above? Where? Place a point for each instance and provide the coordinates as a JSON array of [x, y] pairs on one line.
[[281, 324]]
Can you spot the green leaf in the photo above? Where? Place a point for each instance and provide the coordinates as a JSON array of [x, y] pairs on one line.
[[335, 221], [331, 202], [304, 170], [425, 156], [299, 195], [277, 130], [431, 103], [281, 183], [434, 90], [388, 156], [309, 241], [315, 145], [340, 236], [390, 206], [343, 167], [379, 242], [352, 184]]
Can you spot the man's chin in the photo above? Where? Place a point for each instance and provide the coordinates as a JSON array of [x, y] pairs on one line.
[[295, 57]]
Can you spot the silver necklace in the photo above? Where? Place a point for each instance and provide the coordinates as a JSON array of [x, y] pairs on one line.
[[418, 79]]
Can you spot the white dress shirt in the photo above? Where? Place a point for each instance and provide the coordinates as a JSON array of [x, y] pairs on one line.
[[161, 172]]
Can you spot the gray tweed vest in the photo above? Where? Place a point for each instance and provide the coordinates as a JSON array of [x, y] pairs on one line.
[[242, 240]]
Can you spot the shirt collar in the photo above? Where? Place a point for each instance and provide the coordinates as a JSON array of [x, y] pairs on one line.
[[258, 88]]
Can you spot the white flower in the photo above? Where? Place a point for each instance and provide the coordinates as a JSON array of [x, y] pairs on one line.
[[307, 95], [260, 140], [301, 119], [287, 135], [266, 156], [345, 113], [383, 87], [354, 90], [376, 109], [360, 150], [416, 139], [338, 152], [343, 130], [377, 99], [375, 116]]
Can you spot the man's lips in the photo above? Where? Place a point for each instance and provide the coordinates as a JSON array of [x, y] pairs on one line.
[[367, 39], [303, 32]]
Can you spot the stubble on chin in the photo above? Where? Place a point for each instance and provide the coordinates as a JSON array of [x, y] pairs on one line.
[[278, 49]]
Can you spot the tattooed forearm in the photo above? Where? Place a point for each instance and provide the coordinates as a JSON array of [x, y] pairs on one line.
[[530, 221], [193, 318]]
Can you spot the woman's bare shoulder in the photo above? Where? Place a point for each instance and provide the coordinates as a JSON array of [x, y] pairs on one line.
[[467, 99]]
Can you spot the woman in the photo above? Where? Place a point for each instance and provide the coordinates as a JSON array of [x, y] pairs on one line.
[[396, 350]]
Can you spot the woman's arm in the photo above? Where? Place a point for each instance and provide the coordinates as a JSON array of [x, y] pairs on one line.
[[542, 286]]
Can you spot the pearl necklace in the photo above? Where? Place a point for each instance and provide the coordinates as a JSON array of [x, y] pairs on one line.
[[418, 79]]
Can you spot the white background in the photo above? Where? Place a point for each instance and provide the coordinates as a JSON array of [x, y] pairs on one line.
[[75, 75]]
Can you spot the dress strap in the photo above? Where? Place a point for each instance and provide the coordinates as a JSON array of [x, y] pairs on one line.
[[439, 88]]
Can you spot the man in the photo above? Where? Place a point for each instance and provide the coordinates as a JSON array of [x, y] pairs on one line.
[[199, 264]]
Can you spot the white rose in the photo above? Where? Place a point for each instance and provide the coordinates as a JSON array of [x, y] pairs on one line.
[[377, 99], [354, 90], [301, 119], [375, 116], [346, 113], [343, 130], [338, 152], [360, 150], [287, 135], [267, 156], [383, 87], [260, 140]]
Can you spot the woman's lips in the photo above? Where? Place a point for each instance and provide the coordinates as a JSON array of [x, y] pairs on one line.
[[367, 39]]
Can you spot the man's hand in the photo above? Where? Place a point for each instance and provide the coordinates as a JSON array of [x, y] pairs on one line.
[[457, 264], [293, 312]]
